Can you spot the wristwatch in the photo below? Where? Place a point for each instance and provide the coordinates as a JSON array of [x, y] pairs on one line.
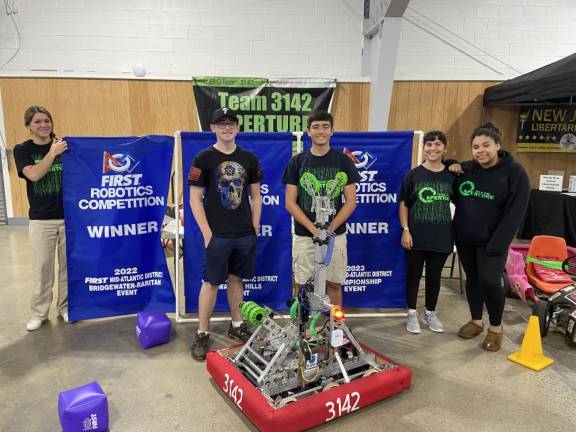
[[405, 228]]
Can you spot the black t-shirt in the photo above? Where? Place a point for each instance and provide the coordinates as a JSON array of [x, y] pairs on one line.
[[427, 194], [324, 168], [226, 179], [45, 195]]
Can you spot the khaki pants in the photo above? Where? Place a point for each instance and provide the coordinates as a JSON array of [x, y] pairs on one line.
[[47, 237], [303, 250]]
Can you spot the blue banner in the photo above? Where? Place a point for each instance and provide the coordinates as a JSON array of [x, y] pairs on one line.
[[115, 193], [273, 281], [376, 274]]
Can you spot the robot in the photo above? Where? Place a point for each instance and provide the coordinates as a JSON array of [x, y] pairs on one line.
[[315, 349], [308, 368]]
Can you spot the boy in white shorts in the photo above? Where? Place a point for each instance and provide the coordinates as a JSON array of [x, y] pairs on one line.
[[324, 163]]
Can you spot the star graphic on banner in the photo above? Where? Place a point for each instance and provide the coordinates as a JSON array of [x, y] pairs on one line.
[[534, 137], [547, 137], [541, 137], [554, 137], [520, 137]]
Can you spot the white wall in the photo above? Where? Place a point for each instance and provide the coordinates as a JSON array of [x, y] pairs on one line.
[[524, 34], [181, 38], [321, 38]]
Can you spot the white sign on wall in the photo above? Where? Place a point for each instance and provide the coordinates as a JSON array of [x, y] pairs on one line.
[[551, 183], [572, 184]]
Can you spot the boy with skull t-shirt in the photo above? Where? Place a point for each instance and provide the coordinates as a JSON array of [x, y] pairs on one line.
[[222, 179]]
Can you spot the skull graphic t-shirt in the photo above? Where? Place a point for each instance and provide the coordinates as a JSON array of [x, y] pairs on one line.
[[226, 179]]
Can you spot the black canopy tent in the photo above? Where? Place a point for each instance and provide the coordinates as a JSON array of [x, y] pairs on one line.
[[551, 84]]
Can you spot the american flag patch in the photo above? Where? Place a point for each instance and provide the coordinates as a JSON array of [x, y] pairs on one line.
[[194, 174]]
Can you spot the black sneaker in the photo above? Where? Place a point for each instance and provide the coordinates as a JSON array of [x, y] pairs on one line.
[[241, 333], [200, 346]]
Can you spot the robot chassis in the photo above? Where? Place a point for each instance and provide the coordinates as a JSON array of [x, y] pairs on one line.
[[314, 350]]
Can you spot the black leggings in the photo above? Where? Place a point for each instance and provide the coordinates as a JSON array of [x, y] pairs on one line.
[[483, 285], [415, 260]]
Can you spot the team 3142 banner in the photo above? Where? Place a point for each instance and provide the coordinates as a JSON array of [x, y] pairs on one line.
[[115, 193], [263, 105]]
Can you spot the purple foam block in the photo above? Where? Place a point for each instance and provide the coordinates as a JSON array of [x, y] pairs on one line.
[[152, 328], [83, 409]]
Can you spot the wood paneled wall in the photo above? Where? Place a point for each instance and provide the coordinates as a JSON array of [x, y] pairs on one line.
[[455, 107], [95, 107], [84, 107]]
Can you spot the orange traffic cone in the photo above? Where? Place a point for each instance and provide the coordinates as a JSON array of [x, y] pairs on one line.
[[530, 354]]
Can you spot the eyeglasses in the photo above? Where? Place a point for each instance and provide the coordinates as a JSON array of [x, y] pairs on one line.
[[225, 124]]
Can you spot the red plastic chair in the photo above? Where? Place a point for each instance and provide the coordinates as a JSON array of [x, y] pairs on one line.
[[552, 249]]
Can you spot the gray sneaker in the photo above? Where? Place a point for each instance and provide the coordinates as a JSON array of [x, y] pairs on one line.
[[412, 324], [431, 320]]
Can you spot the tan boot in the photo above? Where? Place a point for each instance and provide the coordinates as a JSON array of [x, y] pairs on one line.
[[470, 330], [492, 341]]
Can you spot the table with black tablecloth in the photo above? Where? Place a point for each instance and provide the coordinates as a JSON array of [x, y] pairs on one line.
[[550, 213]]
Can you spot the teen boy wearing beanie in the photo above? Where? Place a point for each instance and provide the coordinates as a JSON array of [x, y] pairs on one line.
[[221, 179]]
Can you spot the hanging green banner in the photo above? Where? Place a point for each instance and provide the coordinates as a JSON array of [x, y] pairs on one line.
[[263, 105]]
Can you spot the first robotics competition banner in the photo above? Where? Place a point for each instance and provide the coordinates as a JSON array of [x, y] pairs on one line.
[[115, 192], [376, 274], [263, 105], [272, 284]]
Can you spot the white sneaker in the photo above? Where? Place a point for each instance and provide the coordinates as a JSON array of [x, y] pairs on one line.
[[64, 317], [431, 320], [412, 324], [34, 324]]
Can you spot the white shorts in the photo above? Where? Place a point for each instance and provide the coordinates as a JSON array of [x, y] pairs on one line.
[[303, 259]]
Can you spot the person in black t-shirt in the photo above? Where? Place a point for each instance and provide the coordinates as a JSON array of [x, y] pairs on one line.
[[38, 162], [324, 163], [491, 198], [221, 179], [427, 233]]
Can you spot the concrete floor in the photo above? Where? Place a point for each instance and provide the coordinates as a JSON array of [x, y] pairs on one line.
[[456, 385]]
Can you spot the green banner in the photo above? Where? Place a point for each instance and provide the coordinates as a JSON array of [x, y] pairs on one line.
[[263, 105]]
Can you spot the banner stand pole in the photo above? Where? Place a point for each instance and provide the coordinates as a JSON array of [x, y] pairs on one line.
[[299, 142], [420, 135], [299, 148], [177, 144]]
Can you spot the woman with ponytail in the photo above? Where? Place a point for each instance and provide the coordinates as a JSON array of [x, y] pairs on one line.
[[491, 198], [38, 162]]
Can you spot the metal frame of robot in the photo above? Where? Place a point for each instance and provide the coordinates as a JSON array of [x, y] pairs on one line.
[[299, 146]]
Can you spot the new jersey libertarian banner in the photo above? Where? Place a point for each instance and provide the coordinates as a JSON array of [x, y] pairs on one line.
[[376, 274], [114, 201], [273, 281], [547, 128], [263, 105]]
